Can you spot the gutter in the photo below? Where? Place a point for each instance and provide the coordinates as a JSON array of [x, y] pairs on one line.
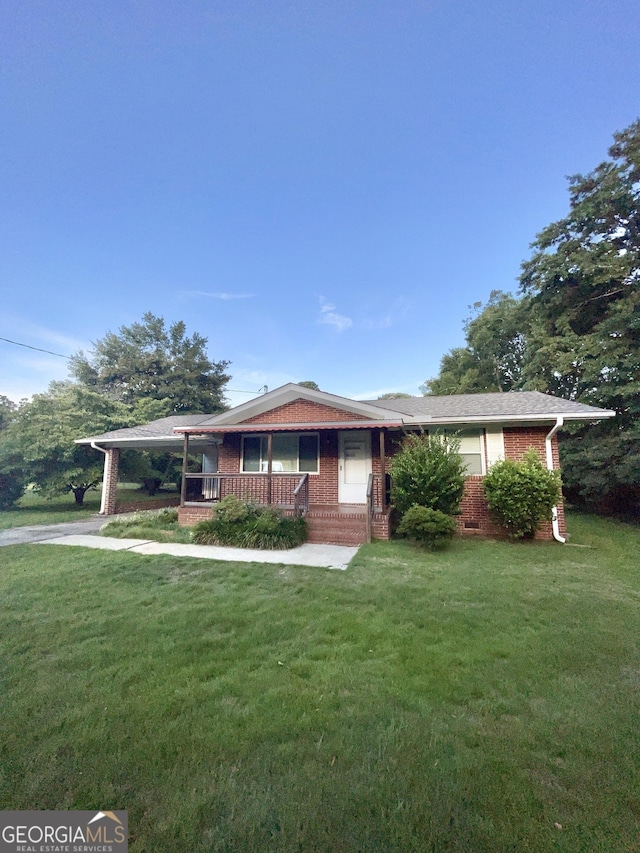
[[549, 452], [103, 496]]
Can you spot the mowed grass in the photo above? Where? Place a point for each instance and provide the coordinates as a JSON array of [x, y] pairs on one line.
[[34, 508], [483, 699]]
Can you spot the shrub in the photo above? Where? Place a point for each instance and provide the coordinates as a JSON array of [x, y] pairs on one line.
[[12, 487], [160, 526], [520, 495], [429, 527], [427, 471], [271, 530], [244, 525]]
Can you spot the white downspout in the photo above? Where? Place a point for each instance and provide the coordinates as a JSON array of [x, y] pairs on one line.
[[549, 451], [103, 497]]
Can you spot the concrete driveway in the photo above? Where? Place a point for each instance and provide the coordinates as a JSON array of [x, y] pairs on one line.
[[40, 532]]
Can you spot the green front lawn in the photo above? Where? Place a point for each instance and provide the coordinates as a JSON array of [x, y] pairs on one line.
[[480, 700], [33, 508]]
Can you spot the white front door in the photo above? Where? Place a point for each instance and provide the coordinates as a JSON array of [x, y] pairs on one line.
[[354, 466]]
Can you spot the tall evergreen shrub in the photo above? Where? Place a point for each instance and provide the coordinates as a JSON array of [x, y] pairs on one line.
[[427, 471]]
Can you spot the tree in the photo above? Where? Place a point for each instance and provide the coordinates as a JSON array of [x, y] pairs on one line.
[[148, 361], [583, 280], [394, 395], [7, 411], [40, 438], [494, 355], [309, 383]]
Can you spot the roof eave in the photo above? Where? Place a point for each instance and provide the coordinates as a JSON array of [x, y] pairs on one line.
[[519, 418]]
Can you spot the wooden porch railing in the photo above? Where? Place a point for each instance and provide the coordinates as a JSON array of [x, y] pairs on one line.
[[290, 491]]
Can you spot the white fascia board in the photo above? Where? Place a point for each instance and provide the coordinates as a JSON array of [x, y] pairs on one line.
[[511, 419], [287, 394], [168, 441]]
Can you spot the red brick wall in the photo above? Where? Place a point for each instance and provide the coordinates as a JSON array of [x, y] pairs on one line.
[[323, 487], [303, 412], [142, 505], [474, 517], [517, 440], [474, 511], [190, 515], [229, 454]]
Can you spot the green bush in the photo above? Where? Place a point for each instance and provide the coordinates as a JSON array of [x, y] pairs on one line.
[[427, 471], [429, 527], [239, 524], [12, 487], [160, 526], [520, 495]]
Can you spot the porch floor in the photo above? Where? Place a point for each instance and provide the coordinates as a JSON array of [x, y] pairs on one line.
[[337, 509]]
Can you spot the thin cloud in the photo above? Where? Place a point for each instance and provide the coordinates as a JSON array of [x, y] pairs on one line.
[[330, 317], [224, 296], [381, 323]]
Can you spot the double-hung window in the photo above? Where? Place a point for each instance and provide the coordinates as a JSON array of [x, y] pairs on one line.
[[292, 453], [470, 448]]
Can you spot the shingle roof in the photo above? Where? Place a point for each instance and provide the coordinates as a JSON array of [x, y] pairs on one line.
[[508, 404], [160, 429], [511, 406]]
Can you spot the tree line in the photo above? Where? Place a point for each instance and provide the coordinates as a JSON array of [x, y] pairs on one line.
[[573, 330], [145, 371]]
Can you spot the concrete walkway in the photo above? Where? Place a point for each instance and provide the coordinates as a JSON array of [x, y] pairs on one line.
[[81, 534]]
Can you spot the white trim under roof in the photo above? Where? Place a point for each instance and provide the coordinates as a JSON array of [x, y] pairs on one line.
[[523, 419]]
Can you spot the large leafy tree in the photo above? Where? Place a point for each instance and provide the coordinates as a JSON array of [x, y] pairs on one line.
[[492, 359], [7, 411], [39, 440], [584, 281], [150, 361]]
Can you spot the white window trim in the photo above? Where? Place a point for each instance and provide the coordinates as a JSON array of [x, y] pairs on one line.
[[481, 452]]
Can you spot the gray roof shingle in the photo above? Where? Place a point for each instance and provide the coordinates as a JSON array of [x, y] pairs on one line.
[[507, 404], [454, 409], [162, 428]]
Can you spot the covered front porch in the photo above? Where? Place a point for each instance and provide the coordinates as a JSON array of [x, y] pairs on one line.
[[357, 456]]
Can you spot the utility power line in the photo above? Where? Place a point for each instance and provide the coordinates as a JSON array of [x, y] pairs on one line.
[[38, 349], [262, 390]]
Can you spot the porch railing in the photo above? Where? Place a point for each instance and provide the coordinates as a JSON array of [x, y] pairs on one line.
[[370, 506], [290, 491], [301, 496]]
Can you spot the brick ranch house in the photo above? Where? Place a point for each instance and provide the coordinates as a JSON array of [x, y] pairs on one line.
[[327, 456]]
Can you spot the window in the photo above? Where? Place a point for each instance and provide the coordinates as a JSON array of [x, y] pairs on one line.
[[470, 449], [292, 453]]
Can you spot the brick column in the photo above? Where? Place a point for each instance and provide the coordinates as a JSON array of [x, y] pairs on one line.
[[110, 481]]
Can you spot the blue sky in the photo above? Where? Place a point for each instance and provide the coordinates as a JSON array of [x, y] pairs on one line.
[[319, 188]]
